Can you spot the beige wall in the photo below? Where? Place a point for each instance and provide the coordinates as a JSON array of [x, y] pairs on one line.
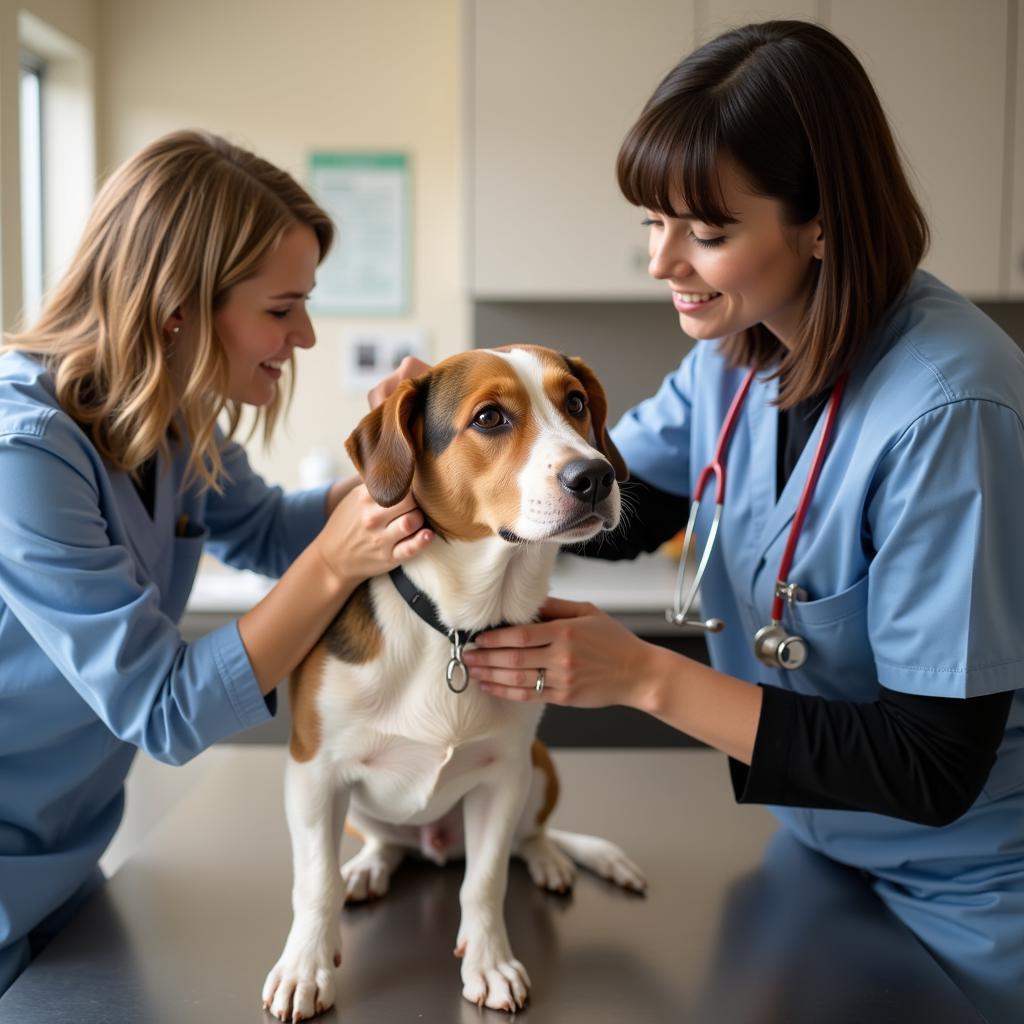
[[286, 77]]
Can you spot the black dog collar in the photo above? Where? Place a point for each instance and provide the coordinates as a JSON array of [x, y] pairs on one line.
[[421, 604], [427, 610]]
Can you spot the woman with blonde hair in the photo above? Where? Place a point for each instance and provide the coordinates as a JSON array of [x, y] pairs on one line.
[[185, 302]]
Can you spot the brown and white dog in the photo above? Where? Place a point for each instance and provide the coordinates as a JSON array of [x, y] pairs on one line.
[[494, 445]]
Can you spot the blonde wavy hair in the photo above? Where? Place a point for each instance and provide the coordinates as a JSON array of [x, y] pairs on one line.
[[177, 225]]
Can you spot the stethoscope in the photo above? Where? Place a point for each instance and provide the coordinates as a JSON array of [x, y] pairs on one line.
[[773, 645]]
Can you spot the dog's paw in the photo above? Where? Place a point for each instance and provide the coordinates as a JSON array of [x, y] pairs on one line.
[[368, 874], [491, 976], [611, 862], [498, 984], [301, 983], [602, 857], [548, 866]]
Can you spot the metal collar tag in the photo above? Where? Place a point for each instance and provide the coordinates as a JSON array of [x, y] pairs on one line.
[[421, 604]]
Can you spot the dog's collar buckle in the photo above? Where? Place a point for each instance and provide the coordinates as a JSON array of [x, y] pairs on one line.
[[458, 640], [456, 675]]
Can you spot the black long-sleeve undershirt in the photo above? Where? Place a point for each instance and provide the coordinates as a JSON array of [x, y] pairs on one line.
[[920, 758], [923, 759]]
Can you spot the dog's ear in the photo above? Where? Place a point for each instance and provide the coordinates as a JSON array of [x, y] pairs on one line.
[[598, 403], [382, 447]]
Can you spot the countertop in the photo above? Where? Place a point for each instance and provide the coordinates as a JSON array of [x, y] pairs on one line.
[[737, 927], [637, 592]]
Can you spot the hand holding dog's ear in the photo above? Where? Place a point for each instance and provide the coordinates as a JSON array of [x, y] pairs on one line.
[[410, 366], [382, 448], [363, 539], [377, 524]]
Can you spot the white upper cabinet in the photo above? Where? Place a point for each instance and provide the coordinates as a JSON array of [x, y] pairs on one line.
[[940, 68], [555, 84]]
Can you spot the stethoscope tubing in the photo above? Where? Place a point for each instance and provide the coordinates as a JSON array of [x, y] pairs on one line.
[[717, 464], [680, 614], [808, 493]]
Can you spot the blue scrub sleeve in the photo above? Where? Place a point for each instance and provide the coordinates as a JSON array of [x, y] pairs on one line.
[[946, 584], [255, 526], [654, 436], [78, 597]]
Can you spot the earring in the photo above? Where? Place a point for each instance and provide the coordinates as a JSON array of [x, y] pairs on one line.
[[175, 330]]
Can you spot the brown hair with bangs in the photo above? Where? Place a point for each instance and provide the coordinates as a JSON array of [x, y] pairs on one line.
[[794, 108]]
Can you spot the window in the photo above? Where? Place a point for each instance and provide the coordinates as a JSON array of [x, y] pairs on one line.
[[56, 170], [31, 90]]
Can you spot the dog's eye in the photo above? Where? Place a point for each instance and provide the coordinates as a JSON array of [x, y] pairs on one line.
[[576, 403], [489, 418]]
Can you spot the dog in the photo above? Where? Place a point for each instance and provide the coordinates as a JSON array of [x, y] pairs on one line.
[[388, 729]]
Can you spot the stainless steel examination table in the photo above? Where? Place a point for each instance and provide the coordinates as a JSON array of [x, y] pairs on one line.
[[737, 927]]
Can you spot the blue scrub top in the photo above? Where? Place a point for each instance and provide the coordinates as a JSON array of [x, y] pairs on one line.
[[911, 552], [93, 665]]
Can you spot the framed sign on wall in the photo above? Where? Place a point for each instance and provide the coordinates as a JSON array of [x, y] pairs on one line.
[[368, 270]]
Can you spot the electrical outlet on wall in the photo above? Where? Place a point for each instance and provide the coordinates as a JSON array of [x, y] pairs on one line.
[[371, 353]]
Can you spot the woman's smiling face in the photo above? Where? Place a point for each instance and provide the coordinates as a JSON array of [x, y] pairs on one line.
[[264, 319], [725, 279]]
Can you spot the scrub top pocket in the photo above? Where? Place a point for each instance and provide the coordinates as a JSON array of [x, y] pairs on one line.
[[839, 661], [188, 549]]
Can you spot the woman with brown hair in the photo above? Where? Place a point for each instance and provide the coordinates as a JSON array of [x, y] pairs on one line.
[[868, 566], [185, 301]]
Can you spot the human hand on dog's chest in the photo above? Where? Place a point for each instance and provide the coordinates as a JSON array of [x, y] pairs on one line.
[[588, 658]]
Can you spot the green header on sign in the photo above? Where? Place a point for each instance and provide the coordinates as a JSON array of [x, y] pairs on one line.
[[352, 161]]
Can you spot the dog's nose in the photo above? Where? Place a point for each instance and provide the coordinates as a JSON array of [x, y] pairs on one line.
[[590, 480]]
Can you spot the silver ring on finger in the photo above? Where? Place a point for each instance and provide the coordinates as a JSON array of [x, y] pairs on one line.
[[539, 684]]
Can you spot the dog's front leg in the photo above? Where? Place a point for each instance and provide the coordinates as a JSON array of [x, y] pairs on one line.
[[302, 981], [491, 976]]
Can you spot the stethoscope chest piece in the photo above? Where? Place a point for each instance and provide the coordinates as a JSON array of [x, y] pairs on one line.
[[776, 648]]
